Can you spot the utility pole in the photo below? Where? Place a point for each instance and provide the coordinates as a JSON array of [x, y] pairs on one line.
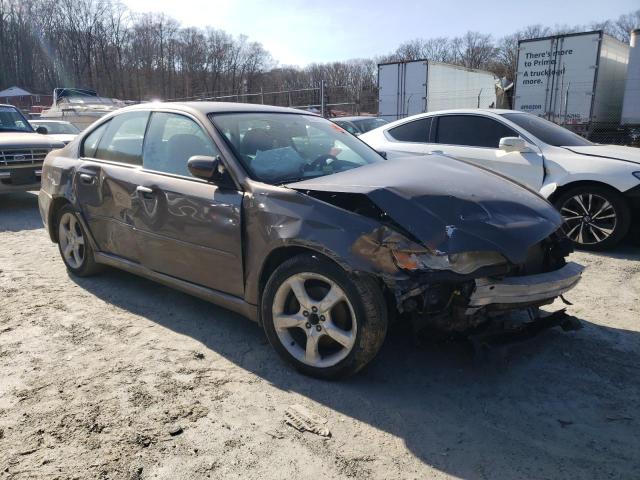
[[322, 97]]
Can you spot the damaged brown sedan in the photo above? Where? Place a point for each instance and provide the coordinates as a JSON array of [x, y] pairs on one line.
[[286, 218]]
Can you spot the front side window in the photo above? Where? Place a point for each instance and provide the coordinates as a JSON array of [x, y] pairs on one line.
[[472, 131], [11, 120], [171, 140], [280, 148], [547, 131], [416, 131], [123, 138]]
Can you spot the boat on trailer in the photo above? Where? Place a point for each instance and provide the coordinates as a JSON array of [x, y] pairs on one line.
[[80, 106]]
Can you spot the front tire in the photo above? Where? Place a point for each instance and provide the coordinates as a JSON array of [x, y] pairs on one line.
[[323, 321], [595, 218], [73, 244]]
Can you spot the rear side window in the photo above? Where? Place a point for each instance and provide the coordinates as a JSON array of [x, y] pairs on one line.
[[415, 132], [171, 140], [122, 141], [471, 130], [90, 144]]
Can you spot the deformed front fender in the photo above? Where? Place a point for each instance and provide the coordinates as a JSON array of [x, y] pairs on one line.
[[275, 218]]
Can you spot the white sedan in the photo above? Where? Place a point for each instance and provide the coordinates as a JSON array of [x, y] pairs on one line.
[[595, 187], [60, 130]]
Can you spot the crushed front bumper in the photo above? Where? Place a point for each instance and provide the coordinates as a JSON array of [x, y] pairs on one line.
[[525, 289]]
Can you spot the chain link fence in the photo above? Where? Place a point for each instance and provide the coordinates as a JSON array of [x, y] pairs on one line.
[[597, 118], [329, 101]]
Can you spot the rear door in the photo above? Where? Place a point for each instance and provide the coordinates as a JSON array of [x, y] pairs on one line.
[[475, 138], [106, 182], [186, 227]]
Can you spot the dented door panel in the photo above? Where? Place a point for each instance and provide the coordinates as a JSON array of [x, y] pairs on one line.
[[191, 230], [107, 196]]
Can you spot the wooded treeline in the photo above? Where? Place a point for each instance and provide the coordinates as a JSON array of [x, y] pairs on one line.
[[101, 44]]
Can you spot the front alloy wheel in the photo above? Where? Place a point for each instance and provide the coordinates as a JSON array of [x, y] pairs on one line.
[[323, 321], [314, 320], [595, 218]]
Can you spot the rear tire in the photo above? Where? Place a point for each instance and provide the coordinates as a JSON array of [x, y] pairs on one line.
[[74, 245], [595, 217], [328, 324]]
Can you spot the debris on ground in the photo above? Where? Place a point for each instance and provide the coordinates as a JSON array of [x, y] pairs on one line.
[[565, 423], [610, 418], [175, 430], [303, 420]]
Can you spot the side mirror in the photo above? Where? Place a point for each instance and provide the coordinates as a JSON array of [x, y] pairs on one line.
[[206, 168], [382, 154], [513, 144], [42, 130]]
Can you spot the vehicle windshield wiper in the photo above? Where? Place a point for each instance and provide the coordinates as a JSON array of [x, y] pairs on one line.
[[296, 179]]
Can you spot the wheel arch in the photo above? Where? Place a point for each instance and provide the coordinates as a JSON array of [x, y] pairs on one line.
[[57, 204], [580, 183], [279, 255]]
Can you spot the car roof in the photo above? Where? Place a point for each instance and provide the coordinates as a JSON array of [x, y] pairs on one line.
[[216, 107], [8, 105], [357, 117], [484, 111], [497, 111]]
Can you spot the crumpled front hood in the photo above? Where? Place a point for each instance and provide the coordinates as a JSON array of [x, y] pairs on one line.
[[27, 140], [449, 205], [615, 152]]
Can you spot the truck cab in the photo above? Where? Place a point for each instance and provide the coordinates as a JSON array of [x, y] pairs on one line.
[[22, 151]]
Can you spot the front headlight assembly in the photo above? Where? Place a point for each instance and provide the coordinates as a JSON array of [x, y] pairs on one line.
[[461, 263]]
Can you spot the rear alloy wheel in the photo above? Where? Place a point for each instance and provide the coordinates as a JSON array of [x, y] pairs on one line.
[[321, 320], [595, 218], [74, 245]]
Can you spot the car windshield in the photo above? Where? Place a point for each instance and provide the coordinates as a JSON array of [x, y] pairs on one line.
[[279, 148], [55, 128], [547, 131], [12, 121], [367, 124]]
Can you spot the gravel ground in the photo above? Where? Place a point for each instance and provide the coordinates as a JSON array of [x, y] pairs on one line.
[[117, 377]]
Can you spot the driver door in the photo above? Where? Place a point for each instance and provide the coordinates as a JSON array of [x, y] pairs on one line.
[[187, 228], [475, 138]]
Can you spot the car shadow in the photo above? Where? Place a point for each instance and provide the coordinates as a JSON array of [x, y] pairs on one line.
[[556, 406], [628, 249], [19, 211]]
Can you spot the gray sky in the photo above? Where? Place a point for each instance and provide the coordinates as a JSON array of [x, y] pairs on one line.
[[298, 32]]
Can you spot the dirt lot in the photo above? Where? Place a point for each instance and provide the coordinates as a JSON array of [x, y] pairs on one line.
[[117, 377]]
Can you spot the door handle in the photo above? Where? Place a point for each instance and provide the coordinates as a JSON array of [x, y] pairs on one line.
[[146, 192], [440, 152], [88, 179]]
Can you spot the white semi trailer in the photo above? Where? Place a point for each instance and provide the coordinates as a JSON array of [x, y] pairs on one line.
[[576, 80], [408, 88], [631, 105]]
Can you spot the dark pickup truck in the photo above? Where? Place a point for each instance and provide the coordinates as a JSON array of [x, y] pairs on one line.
[[22, 151]]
